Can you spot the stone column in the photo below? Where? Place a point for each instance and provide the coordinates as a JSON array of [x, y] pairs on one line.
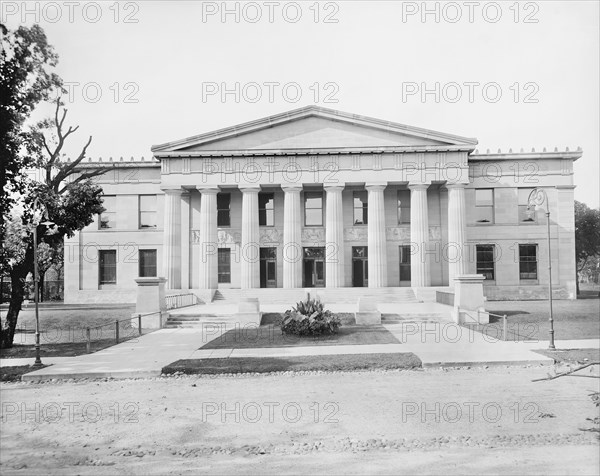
[[420, 275], [292, 239], [171, 263], [185, 240], [334, 237], [376, 236], [208, 238], [457, 222], [250, 264]]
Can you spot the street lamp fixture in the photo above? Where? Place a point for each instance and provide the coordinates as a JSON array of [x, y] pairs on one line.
[[536, 198], [37, 204]]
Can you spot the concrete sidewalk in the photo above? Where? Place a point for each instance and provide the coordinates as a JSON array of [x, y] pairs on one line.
[[444, 344]]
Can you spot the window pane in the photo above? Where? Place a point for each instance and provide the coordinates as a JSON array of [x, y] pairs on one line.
[[223, 218], [526, 215], [484, 214], [313, 217], [148, 203], [360, 208], [147, 263], [224, 265], [107, 218], [108, 266], [147, 219], [528, 261], [403, 206], [484, 197], [524, 195]]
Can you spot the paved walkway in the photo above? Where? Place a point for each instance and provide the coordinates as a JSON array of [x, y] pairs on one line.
[[436, 344]]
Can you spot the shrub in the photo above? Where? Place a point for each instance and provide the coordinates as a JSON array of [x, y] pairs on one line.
[[309, 318]]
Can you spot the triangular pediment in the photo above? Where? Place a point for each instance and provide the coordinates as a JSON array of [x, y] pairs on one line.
[[313, 128]]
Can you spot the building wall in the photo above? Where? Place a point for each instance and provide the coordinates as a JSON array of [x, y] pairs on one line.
[[506, 233]]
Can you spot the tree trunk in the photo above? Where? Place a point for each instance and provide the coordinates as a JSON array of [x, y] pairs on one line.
[[577, 282], [17, 294]]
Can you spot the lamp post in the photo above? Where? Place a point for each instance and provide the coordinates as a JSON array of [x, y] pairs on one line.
[[536, 198], [36, 279]]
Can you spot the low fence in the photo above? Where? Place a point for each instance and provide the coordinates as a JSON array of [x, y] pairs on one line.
[[175, 301], [502, 329], [120, 332]]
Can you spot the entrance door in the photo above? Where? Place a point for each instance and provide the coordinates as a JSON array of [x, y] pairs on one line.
[[314, 267], [405, 265], [360, 266], [268, 267]]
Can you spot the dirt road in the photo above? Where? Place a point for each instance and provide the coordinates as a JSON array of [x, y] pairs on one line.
[[397, 422]]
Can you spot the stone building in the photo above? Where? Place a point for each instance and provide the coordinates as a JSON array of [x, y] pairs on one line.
[[321, 198]]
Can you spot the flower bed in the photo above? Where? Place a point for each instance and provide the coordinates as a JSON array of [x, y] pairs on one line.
[[309, 318]]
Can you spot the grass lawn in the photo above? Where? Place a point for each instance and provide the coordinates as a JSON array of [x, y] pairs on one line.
[[295, 364], [572, 356], [13, 374], [271, 336], [528, 320], [63, 327]]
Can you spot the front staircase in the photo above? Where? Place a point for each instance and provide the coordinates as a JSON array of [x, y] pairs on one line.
[[398, 304], [326, 295]]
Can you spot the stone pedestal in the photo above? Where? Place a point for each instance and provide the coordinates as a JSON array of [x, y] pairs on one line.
[[150, 299], [249, 311], [368, 314], [469, 300]]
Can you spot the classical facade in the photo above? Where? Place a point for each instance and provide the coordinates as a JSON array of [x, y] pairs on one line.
[[321, 198]]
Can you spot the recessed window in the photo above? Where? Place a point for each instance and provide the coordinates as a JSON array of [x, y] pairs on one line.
[[266, 209], [109, 215], [361, 208], [525, 215], [485, 261], [528, 262], [147, 211], [484, 205], [223, 209], [403, 207], [147, 259], [107, 267], [405, 263], [224, 265], [313, 209]]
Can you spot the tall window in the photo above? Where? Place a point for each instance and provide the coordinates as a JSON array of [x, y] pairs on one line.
[[525, 216], [484, 205], [361, 208], [403, 207], [109, 215], [147, 211], [147, 259], [266, 209], [313, 209], [405, 263], [224, 269], [485, 261], [107, 267], [223, 209], [528, 262]]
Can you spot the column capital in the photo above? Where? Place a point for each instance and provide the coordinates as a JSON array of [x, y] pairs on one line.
[[208, 190], [291, 187], [419, 186], [334, 187], [455, 185], [375, 185], [249, 188], [173, 191]]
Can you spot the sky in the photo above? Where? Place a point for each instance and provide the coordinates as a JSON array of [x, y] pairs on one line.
[[511, 74]]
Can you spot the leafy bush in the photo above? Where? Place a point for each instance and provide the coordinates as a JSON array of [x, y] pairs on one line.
[[309, 318]]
